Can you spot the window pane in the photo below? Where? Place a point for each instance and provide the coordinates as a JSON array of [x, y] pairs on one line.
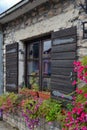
[[46, 49], [33, 67], [47, 67], [33, 51], [46, 84]]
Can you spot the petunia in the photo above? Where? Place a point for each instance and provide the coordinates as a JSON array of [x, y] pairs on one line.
[[85, 95], [74, 82]]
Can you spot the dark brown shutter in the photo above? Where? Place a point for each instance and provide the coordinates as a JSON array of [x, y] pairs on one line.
[[63, 55], [12, 67]]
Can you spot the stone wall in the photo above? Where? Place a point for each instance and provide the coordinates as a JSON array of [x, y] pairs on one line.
[[19, 123], [51, 16]]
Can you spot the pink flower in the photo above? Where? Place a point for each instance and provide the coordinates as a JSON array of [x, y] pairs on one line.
[[84, 128], [79, 110], [79, 91], [49, 123], [86, 117], [62, 96], [85, 95], [74, 110], [85, 74], [74, 82], [81, 68], [77, 63], [69, 113]]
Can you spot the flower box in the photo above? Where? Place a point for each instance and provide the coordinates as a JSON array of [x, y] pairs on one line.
[[44, 95], [33, 93]]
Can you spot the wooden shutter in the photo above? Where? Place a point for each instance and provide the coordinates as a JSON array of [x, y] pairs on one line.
[[12, 67], [63, 55]]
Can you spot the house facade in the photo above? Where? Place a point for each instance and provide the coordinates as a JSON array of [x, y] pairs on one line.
[[41, 39]]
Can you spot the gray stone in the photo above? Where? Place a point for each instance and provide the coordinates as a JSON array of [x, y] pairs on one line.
[[6, 126], [28, 22], [41, 18]]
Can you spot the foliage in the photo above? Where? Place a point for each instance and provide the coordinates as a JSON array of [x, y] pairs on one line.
[[32, 108], [11, 102], [8, 102], [2, 99], [50, 109], [34, 81], [84, 61]]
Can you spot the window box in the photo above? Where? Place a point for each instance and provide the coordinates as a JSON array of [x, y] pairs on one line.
[[33, 93], [44, 95]]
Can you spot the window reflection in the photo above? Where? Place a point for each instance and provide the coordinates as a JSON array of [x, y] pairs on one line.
[[46, 49], [46, 84], [47, 67], [34, 50], [33, 67], [46, 57]]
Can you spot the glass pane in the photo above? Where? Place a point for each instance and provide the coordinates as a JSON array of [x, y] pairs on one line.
[[46, 49], [33, 67], [33, 51], [47, 67], [46, 84]]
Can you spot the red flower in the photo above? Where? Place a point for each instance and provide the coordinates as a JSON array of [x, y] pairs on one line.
[[74, 82], [85, 95], [79, 91]]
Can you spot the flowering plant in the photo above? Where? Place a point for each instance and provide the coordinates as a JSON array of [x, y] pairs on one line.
[[31, 111], [80, 67], [8, 102], [76, 118]]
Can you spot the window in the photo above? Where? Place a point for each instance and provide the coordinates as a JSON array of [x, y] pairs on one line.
[[39, 63]]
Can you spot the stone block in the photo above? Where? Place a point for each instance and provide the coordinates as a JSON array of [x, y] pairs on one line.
[[41, 18], [56, 1], [41, 9], [34, 20], [22, 26], [34, 14], [28, 22], [58, 11], [51, 13]]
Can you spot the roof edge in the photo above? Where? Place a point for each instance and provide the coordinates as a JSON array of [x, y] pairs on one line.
[[13, 8]]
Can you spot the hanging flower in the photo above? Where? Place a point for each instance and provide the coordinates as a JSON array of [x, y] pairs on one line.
[[74, 82]]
